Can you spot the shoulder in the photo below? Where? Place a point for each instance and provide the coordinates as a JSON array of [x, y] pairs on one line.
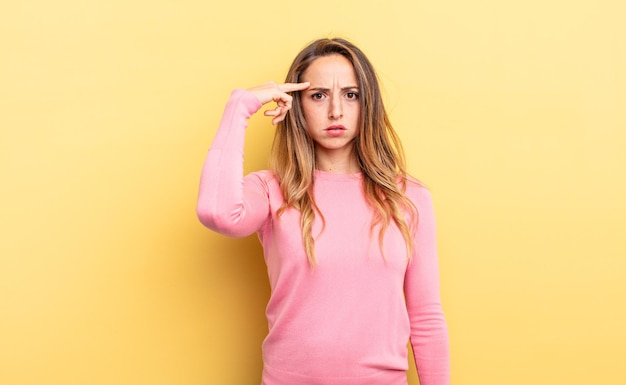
[[417, 191], [264, 178], [265, 183], [421, 197], [263, 175]]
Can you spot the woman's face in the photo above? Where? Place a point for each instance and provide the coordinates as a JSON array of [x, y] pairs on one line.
[[331, 105]]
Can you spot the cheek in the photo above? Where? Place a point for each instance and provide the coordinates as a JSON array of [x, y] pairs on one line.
[[356, 112], [306, 110], [311, 112]]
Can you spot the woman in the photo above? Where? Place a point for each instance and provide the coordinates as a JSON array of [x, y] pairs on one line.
[[348, 236]]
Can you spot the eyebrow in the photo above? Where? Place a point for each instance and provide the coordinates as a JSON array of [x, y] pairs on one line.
[[328, 89]]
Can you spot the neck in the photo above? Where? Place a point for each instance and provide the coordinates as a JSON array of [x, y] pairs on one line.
[[338, 163]]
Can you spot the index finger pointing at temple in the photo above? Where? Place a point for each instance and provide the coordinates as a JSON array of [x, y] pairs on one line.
[[290, 87]]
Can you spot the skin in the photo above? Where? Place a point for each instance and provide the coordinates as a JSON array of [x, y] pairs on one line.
[[331, 108]]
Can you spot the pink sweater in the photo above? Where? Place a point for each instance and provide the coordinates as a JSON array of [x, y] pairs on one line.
[[348, 321]]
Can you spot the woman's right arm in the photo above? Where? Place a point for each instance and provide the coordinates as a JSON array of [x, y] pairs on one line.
[[228, 203]]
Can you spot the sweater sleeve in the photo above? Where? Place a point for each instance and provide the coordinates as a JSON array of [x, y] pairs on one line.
[[429, 333], [228, 203]]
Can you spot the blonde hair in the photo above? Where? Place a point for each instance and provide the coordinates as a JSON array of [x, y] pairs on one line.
[[377, 149]]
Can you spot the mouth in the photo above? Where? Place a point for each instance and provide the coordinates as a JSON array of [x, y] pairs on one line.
[[336, 130]]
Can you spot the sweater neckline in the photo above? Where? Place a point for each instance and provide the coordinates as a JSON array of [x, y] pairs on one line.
[[325, 175]]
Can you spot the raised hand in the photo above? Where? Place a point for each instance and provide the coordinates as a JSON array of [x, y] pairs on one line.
[[278, 93]]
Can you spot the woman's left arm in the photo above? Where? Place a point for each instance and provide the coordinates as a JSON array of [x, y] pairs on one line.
[[429, 333]]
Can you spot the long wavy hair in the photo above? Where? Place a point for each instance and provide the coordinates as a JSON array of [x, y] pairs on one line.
[[377, 149]]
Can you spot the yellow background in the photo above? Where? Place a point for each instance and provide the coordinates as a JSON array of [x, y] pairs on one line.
[[512, 112]]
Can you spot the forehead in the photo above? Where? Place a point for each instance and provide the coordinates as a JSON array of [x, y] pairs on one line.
[[330, 69]]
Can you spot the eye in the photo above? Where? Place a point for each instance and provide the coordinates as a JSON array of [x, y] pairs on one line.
[[317, 96], [352, 95]]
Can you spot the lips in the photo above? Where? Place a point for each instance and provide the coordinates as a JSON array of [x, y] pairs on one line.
[[335, 130]]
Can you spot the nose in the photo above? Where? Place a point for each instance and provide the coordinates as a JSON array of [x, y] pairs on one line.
[[335, 108]]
